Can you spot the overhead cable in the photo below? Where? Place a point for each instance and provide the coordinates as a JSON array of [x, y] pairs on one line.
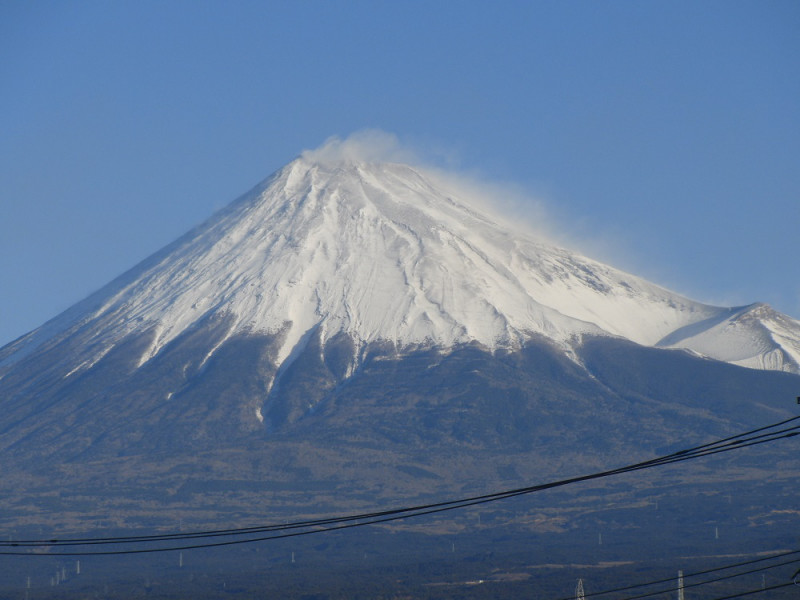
[[761, 435], [688, 576]]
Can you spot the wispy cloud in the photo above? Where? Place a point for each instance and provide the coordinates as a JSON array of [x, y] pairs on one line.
[[371, 145]]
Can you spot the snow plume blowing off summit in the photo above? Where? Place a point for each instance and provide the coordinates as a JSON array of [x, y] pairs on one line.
[[349, 240], [369, 146], [509, 204]]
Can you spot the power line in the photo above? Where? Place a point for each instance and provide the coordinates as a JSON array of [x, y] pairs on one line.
[[758, 591], [710, 581], [754, 437], [738, 441], [746, 563]]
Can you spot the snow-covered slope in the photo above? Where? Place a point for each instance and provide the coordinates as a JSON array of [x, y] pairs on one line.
[[754, 336], [386, 252]]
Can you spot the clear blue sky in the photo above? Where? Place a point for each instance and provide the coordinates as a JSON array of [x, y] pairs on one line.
[[668, 133]]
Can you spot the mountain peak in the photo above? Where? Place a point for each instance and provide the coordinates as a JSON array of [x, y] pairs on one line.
[[340, 242]]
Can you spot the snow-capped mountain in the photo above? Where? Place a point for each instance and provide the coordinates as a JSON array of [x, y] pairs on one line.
[[386, 252], [353, 333]]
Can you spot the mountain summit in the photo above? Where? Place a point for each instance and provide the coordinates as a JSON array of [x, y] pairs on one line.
[[352, 333], [386, 253]]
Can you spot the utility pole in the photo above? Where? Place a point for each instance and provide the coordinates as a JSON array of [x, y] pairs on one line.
[[680, 585]]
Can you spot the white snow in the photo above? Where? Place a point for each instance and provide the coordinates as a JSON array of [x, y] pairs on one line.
[[387, 252], [753, 336]]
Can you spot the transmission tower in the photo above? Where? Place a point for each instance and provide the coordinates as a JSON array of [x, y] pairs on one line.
[[579, 595]]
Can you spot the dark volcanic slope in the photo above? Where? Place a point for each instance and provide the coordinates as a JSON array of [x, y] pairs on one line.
[[112, 447]]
